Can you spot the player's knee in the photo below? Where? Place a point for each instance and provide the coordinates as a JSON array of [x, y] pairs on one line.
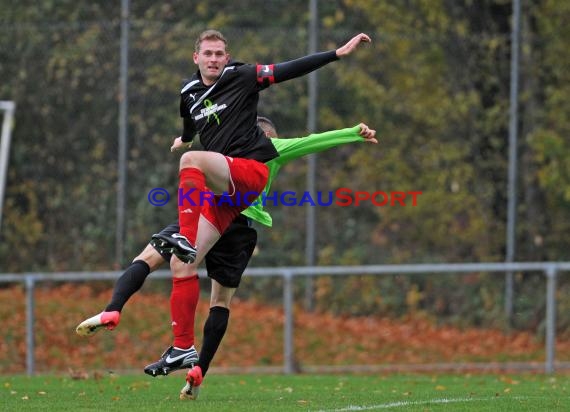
[[151, 257], [190, 159]]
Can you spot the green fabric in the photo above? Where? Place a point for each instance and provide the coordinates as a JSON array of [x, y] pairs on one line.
[[291, 149]]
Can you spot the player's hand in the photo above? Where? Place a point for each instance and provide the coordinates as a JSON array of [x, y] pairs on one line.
[[178, 144], [367, 133], [352, 44]]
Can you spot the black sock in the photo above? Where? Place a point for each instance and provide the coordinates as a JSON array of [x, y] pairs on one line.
[[126, 286], [214, 331]]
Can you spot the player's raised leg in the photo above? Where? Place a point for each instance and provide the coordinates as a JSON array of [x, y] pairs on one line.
[[127, 285], [196, 170]]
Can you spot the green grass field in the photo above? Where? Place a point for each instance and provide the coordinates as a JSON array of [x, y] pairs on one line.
[[290, 393]]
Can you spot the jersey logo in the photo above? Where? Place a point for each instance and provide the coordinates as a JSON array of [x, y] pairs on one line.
[[210, 111]]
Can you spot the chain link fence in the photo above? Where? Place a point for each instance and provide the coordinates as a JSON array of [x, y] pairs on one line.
[[437, 94]]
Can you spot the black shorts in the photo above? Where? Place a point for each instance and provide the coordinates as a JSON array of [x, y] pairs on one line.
[[229, 257]]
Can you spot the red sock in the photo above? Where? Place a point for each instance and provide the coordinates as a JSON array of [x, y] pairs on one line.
[[183, 302], [192, 184]]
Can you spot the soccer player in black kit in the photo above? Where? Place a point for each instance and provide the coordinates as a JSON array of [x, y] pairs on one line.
[[219, 103]]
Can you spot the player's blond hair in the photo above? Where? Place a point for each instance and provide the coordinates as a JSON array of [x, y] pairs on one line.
[[209, 34]]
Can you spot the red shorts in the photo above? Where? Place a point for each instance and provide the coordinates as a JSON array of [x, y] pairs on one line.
[[248, 178]]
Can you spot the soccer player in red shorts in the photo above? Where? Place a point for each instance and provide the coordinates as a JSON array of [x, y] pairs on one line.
[[219, 103], [225, 262]]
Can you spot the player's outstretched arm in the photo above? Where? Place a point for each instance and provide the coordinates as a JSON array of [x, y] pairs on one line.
[[352, 45], [280, 72], [291, 149]]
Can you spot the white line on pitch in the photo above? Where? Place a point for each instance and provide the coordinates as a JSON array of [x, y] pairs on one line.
[[414, 403]]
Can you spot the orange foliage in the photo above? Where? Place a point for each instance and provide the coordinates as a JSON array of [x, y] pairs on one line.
[[254, 337]]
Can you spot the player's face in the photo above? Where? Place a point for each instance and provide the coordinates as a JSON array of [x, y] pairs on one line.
[[211, 59]]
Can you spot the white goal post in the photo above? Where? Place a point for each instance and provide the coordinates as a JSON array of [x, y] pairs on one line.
[[8, 107]]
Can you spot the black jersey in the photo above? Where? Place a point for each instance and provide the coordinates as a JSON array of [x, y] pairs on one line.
[[224, 114]]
